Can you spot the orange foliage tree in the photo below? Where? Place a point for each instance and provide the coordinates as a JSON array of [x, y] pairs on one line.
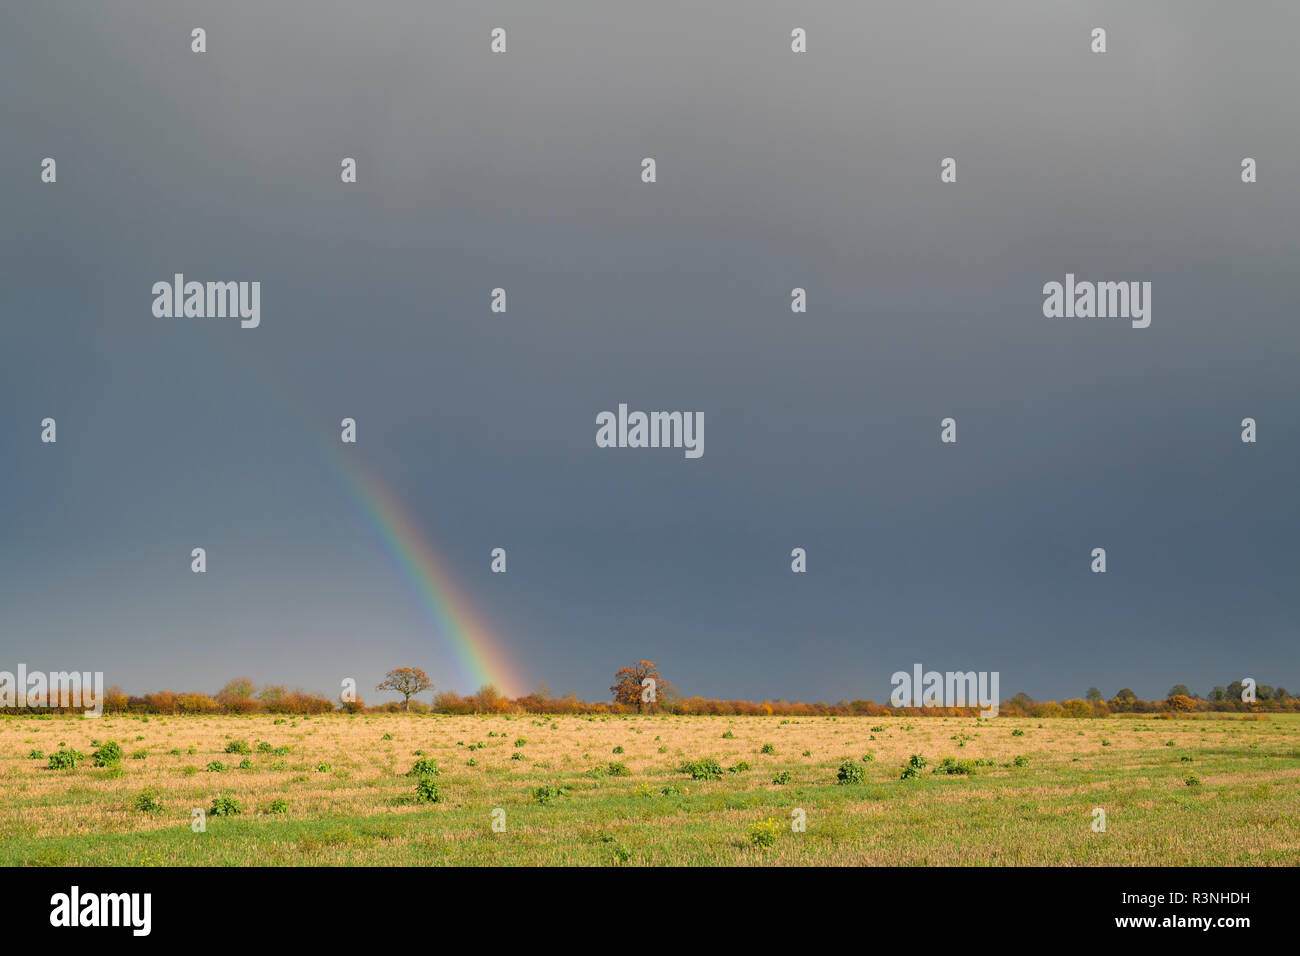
[[629, 684]]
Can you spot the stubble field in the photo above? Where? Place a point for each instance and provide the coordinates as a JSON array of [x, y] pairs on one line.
[[335, 790]]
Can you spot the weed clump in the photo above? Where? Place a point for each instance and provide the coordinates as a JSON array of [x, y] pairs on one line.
[[706, 768]]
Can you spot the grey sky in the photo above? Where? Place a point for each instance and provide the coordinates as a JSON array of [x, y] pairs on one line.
[[775, 171]]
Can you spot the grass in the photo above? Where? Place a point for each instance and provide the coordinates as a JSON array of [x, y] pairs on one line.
[[341, 795]]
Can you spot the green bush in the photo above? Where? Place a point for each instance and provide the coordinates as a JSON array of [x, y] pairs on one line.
[[278, 806], [913, 767], [782, 778], [424, 767], [147, 801], [954, 767], [763, 833], [767, 749], [706, 768], [740, 766], [426, 791], [216, 766], [107, 754], [225, 807], [850, 772], [549, 794], [238, 747], [63, 759]]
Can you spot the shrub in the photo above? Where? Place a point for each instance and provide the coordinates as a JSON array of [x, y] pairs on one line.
[[147, 801], [617, 770], [36, 755], [426, 791], [867, 758], [782, 778], [549, 794], [850, 772], [225, 807], [913, 767], [63, 759], [763, 833], [245, 764], [1017, 733], [107, 754], [1020, 761], [216, 766], [618, 749], [278, 806], [238, 747], [1192, 780], [424, 767], [706, 768], [139, 754], [767, 749], [728, 735], [740, 766], [954, 767], [264, 748], [521, 741]]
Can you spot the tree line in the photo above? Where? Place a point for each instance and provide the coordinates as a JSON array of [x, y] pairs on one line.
[[640, 688]]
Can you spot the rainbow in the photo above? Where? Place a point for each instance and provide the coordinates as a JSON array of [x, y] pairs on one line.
[[479, 650]]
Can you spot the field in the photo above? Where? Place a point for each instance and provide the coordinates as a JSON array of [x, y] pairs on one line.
[[1175, 792]]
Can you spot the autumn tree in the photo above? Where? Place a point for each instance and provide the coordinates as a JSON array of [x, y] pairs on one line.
[[237, 696], [407, 681], [630, 685]]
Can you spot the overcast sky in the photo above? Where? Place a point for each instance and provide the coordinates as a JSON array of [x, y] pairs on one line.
[[775, 170]]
